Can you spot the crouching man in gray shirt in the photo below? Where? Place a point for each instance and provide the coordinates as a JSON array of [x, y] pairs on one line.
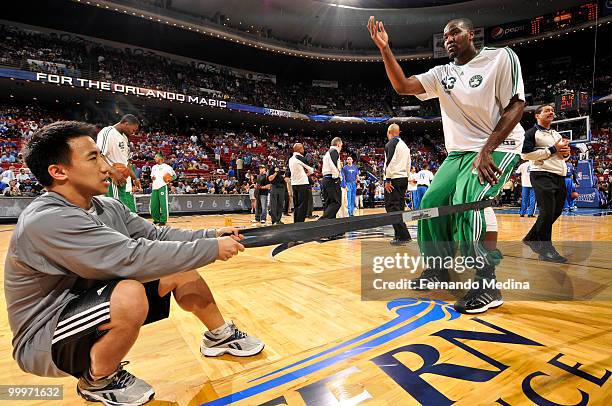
[[83, 273]]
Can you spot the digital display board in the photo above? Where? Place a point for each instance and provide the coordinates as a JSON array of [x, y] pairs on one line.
[[564, 18], [558, 20], [566, 102]]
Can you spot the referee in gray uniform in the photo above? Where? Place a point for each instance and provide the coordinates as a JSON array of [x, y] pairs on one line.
[[547, 151], [396, 170], [330, 185]]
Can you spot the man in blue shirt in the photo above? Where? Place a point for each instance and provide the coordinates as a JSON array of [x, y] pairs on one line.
[[350, 173], [570, 182]]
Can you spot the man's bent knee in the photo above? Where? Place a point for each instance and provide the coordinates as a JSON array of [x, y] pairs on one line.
[[129, 302]]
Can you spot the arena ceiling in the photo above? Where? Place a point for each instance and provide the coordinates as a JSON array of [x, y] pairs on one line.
[[331, 23]]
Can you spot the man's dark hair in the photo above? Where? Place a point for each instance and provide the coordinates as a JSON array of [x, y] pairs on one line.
[[129, 119], [49, 146], [466, 22], [541, 107]]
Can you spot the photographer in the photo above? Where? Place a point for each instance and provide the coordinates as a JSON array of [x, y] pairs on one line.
[[276, 177]]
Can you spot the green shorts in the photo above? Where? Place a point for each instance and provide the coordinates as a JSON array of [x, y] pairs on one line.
[[456, 182], [119, 193]]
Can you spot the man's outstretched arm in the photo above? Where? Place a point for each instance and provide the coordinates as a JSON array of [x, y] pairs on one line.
[[399, 81]]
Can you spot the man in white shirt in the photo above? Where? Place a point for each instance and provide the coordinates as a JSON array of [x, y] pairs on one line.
[[8, 175], [299, 169], [481, 98], [330, 184], [528, 200], [23, 176], [548, 152], [114, 144], [396, 168], [161, 175], [424, 178]]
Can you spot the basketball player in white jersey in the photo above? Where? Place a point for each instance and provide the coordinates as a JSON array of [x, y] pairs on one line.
[[482, 99], [114, 144]]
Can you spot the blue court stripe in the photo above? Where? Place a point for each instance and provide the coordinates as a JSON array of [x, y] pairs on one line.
[[436, 313]]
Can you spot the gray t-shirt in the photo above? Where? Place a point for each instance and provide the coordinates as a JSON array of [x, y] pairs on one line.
[[57, 247]]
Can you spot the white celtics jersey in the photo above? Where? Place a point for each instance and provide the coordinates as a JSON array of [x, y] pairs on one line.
[[158, 171], [473, 97], [116, 147]]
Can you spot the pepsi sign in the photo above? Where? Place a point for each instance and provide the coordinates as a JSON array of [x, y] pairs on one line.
[[508, 31]]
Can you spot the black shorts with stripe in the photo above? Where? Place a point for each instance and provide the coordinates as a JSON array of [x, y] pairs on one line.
[[77, 328]]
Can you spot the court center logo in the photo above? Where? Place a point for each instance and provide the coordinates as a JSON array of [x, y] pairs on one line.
[[411, 314], [475, 81]]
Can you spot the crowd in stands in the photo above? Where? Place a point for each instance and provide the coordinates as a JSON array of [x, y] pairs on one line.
[[224, 161], [65, 54], [257, 31], [73, 55], [210, 160]]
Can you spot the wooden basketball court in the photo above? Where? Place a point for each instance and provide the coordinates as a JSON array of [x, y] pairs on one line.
[[325, 346]]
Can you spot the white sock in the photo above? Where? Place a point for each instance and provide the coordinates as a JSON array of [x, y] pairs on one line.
[[220, 330]]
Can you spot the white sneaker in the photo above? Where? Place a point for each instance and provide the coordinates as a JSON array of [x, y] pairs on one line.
[[118, 389], [231, 341]]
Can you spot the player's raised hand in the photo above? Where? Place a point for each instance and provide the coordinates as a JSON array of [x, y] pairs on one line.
[[378, 33], [228, 247]]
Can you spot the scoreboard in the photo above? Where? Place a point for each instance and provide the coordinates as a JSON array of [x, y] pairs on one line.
[[558, 20], [564, 18], [566, 102], [572, 101]]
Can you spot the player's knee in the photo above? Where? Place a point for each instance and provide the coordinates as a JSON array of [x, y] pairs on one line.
[[195, 293], [129, 302]]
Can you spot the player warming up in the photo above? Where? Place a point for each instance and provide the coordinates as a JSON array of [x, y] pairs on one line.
[[481, 97], [114, 144], [83, 274], [161, 174]]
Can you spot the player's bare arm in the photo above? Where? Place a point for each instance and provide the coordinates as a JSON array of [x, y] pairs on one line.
[[117, 176], [399, 81], [483, 163]]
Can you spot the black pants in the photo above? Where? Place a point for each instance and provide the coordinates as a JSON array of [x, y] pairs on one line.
[[332, 197], [286, 204], [310, 203], [300, 202], [277, 203], [395, 201], [550, 192], [257, 207]]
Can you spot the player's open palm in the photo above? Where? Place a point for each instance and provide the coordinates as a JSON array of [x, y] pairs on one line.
[[378, 33], [228, 247]]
